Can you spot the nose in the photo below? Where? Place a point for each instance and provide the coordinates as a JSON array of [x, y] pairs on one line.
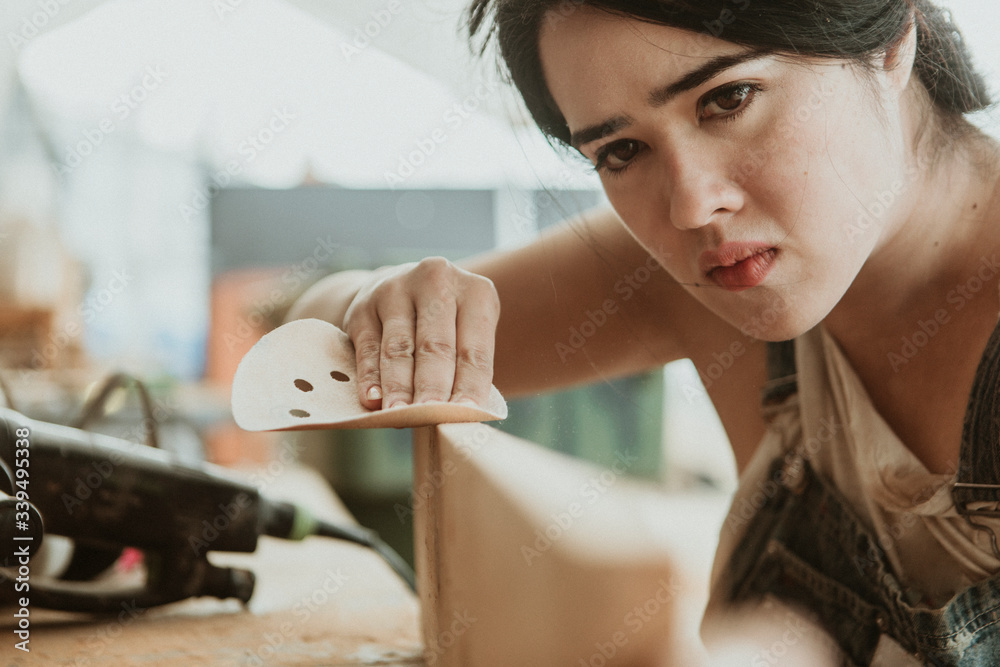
[[701, 189]]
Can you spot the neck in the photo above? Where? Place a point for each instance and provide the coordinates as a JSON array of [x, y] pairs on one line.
[[940, 235]]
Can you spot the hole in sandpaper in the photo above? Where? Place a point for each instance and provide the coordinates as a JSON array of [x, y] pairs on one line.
[[303, 385], [338, 376], [298, 413]]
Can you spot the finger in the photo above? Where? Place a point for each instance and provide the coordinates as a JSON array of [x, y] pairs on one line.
[[434, 357], [396, 359], [367, 353], [475, 345]]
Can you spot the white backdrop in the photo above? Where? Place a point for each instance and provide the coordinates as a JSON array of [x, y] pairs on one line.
[[160, 92], [426, 33]]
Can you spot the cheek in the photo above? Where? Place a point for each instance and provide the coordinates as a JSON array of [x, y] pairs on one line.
[[645, 216], [821, 169]]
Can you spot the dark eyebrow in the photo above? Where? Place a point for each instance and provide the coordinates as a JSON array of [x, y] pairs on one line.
[[664, 94], [608, 127], [695, 78]]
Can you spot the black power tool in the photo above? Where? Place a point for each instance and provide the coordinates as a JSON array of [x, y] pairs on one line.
[[106, 494]]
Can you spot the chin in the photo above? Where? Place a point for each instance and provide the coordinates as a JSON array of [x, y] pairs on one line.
[[777, 335], [776, 320]]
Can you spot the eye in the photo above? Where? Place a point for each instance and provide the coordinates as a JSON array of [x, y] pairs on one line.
[[617, 155], [727, 101]]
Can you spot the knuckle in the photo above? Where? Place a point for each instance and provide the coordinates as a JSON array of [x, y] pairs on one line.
[[397, 347], [476, 358], [387, 292], [361, 320], [437, 276], [369, 376], [392, 388], [368, 348], [436, 348], [432, 266]]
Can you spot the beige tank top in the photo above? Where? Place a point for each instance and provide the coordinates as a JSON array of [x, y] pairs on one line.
[[934, 551]]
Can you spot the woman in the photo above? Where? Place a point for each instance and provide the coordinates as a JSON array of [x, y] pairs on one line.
[[802, 171]]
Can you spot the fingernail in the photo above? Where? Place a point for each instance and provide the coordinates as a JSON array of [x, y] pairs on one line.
[[467, 401], [374, 394]]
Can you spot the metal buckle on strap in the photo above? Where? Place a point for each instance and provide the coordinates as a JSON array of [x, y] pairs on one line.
[[965, 494], [776, 390], [793, 471]]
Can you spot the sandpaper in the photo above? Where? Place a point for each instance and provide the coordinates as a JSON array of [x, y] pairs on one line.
[[303, 375]]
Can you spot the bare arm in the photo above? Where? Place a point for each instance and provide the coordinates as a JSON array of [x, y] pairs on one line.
[[582, 303]]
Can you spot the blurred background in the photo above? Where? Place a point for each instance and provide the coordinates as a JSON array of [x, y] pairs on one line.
[[174, 173]]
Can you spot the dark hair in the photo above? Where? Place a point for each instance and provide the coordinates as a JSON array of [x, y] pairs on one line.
[[856, 30]]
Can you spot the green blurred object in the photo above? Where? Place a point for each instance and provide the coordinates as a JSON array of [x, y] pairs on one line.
[[596, 423], [606, 423], [371, 462]]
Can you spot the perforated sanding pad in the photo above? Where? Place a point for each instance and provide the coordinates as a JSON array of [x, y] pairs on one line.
[[302, 375]]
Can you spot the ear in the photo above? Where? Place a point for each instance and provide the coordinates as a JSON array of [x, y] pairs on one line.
[[899, 58]]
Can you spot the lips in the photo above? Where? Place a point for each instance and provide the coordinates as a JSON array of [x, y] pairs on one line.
[[738, 266]]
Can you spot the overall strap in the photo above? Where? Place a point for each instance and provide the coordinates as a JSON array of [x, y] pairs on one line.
[[781, 378], [978, 478]]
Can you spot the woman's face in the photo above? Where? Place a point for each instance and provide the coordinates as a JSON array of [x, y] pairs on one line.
[[760, 183]]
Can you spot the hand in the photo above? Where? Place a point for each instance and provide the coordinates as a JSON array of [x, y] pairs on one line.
[[424, 332]]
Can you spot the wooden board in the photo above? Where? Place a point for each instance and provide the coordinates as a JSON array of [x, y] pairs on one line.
[[527, 557]]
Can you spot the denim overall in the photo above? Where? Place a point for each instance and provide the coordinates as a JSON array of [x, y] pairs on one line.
[[806, 547]]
